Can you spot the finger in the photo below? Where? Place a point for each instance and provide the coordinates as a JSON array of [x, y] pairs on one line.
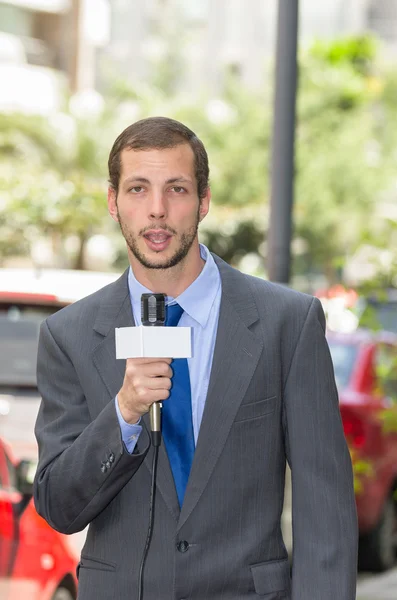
[[134, 372], [156, 396], [147, 361], [159, 383], [160, 369]]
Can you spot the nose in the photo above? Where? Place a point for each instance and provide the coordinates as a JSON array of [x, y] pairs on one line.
[[158, 207]]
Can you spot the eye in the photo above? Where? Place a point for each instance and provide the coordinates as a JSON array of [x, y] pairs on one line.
[[178, 189], [136, 189]]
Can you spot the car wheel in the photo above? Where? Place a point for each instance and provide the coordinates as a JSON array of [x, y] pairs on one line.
[[377, 549], [62, 594]]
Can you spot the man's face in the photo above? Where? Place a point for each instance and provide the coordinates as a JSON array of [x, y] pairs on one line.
[[157, 206]]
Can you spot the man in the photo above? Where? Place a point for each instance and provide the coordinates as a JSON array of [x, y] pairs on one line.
[[258, 391]]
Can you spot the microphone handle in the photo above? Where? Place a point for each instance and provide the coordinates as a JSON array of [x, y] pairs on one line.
[[155, 423], [153, 315]]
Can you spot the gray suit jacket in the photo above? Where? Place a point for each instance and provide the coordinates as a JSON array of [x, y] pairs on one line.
[[271, 397]]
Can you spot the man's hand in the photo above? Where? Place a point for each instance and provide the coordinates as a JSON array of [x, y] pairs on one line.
[[146, 380]]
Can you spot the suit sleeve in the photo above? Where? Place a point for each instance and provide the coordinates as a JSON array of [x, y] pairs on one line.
[[324, 519], [83, 464]]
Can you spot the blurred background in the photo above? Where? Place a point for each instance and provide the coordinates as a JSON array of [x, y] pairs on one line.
[[75, 73]]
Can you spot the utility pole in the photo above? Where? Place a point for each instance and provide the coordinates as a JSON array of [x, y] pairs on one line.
[[282, 168]]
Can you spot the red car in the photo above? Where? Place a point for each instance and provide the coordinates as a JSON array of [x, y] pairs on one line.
[[35, 561], [366, 374]]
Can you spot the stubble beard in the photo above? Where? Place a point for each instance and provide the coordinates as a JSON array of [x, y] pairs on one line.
[[186, 241]]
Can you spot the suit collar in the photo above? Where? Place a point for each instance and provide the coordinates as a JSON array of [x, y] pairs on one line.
[[113, 303], [235, 286]]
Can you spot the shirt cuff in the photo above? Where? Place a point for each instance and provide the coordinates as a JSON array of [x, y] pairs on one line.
[[129, 433]]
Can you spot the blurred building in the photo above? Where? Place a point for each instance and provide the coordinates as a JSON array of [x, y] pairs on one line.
[[48, 47], [227, 34]]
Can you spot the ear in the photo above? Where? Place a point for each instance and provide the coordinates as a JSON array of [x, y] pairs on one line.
[[205, 204], [112, 204]]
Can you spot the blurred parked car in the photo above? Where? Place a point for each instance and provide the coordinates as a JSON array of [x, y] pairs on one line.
[[365, 366], [27, 297], [36, 562]]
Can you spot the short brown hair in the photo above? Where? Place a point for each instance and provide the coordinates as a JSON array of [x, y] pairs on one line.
[[159, 133]]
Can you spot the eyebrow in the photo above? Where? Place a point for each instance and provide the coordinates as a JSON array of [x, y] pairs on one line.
[[137, 179]]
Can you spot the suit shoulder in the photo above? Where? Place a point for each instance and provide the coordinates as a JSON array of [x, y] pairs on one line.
[[278, 294], [85, 309], [286, 308], [271, 298], [283, 304]]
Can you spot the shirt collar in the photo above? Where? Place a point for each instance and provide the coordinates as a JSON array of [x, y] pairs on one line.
[[196, 300]]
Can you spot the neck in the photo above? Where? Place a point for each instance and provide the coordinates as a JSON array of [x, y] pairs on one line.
[[172, 281]]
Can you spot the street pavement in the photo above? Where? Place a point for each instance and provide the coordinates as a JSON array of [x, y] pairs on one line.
[[17, 428], [378, 587]]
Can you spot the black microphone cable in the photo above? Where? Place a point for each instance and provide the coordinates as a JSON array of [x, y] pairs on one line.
[[152, 315], [151, 520]]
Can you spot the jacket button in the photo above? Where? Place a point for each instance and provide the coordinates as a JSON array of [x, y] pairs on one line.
[[182, 546], [111, 457], [107, 463], [103, 468]]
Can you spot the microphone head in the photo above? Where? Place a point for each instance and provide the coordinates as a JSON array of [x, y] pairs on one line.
[[153, 309]]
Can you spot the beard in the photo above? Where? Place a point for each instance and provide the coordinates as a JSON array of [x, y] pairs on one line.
[[186, 241]]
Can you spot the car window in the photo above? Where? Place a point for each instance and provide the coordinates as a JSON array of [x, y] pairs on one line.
[[19, 331], [343, 358]]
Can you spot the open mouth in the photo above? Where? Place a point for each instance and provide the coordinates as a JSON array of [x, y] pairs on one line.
[[157, 240]]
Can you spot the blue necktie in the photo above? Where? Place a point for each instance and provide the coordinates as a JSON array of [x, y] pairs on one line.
[[177, 424]]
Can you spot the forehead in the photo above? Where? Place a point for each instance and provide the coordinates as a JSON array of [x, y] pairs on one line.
[[154, 160]]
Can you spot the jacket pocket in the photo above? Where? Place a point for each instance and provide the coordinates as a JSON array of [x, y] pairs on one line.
[[272, 579], [89, 562], [253, 410]]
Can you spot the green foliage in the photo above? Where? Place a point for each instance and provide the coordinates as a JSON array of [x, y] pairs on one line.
[[52, 180], [361, 469], [55, 170], [369, 319], [389, 420], [358, 52], [244, 239], [386, 374], [343, 160], [386, 389]]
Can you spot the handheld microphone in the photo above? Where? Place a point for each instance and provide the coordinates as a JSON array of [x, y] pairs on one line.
[[153, 315]]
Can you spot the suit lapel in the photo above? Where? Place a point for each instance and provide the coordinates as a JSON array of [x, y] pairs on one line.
[[115, 311], [164, 477], [236, 355]]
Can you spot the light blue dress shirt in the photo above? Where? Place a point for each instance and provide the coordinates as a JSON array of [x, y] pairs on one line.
[[200, 302]]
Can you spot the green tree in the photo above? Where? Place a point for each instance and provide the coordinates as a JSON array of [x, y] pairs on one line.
[[345, 159], [53, 180], [342, 158]]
